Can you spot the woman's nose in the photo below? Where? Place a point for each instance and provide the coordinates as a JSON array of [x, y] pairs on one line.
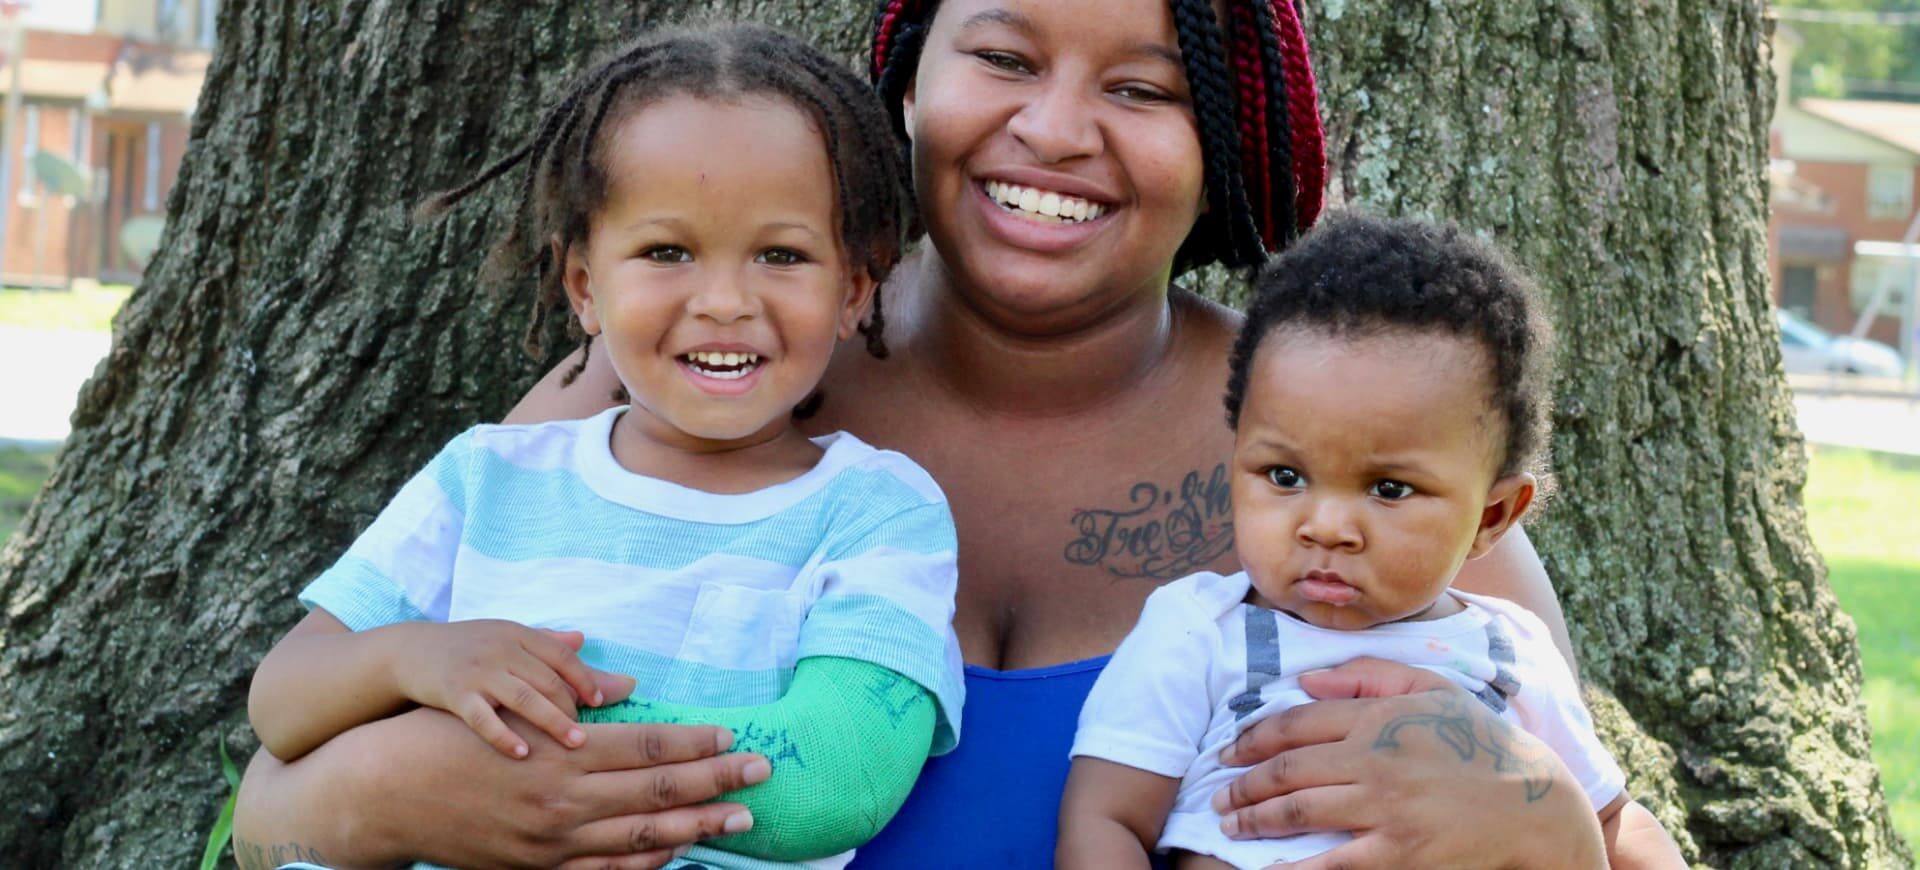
[[1058, 124], [1329, 524]]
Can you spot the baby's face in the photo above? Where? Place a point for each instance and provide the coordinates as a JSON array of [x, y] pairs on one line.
[[1364, 473]]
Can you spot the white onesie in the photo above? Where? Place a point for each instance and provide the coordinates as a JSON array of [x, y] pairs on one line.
[[1202, 665]]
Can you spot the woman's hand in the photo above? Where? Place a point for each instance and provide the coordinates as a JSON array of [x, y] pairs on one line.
[[420, 786], [1421, 773]]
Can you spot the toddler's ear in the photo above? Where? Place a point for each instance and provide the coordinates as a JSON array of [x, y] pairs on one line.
[[572, 263], [859, 301], [1507, 502]]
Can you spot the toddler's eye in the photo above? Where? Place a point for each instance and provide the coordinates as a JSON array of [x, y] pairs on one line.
[[667, 254], [1285, 478], [1391, 490], [781, 257]]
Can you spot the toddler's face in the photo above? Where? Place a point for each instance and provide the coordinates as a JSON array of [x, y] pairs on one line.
[[714, 275], [1364, 473]]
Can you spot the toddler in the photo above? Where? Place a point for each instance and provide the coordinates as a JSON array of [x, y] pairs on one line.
[[716, 208]]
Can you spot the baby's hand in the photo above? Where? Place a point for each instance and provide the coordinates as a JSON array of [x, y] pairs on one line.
[[472, 668]]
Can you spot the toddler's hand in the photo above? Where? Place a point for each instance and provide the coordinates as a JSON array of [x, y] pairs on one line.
[[472, 668]]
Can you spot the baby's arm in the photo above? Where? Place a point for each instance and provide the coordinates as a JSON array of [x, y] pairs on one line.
[[1635, 839], [322, 679], [847, 741], [1111, 814]]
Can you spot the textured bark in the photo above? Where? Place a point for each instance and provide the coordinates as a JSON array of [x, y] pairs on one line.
[[299, 347]]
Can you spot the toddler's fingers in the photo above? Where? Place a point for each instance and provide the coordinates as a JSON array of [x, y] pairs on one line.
[[573, 639], [479, 715], [613, 687], [522, 697], [563, 660]]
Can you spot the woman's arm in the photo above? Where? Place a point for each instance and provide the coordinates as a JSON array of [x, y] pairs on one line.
[[1111, 815], [591, 392], [1512, 570], [850, 738], [420, 786], [1424, 774]]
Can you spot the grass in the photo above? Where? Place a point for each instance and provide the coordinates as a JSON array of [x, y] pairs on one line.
[[86, 308], [1860, 507], [20, 474]]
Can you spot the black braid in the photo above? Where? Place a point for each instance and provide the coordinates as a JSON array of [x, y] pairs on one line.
[[566, 181], [1279, 132], [1236, 232]]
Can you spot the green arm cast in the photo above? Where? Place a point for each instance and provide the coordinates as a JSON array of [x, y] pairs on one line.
[[847, 741]]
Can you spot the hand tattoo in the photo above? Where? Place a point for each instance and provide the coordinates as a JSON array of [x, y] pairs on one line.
[[1470, 729], [253, 856], [1162, 534]]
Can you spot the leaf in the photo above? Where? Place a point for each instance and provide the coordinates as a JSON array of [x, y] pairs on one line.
[[223, 826]]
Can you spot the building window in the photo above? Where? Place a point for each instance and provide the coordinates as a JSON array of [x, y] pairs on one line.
[[166, 19], [1889, 192], [77, 122], [1797, 290], [31, 144], [153, 166]]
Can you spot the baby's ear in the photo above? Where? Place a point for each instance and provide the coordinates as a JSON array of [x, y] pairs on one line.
[[572, 263], [859, 301], [1507, 501]]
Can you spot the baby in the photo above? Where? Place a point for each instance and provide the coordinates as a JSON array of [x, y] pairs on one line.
[[1389, 394]]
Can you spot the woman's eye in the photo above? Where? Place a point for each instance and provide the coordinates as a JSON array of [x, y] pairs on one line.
[[1003, 61], [667, 254], [781, 257], [1141, 94], [1285, 478], [1391, 490]]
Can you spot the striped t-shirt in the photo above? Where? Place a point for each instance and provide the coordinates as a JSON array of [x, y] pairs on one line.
[[703, 598]]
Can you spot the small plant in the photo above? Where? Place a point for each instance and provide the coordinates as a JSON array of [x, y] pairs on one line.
[[223, 826]]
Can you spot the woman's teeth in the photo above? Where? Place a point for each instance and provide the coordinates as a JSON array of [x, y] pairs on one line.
[[1043, 205], [724, 365]]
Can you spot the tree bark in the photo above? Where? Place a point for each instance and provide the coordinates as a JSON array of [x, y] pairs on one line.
[[300, 346]]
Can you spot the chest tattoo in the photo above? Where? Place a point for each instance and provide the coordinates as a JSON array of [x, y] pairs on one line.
[[1161, 533]]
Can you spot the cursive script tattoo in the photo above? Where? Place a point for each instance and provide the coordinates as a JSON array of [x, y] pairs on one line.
[[1470, 729], [1161, 533], [253, 856]]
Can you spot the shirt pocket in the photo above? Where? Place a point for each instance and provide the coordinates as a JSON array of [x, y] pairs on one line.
[[740, 646]]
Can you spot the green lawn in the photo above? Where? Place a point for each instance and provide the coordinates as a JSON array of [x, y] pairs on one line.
[[20, 474], [1860, 505], [87, 307]]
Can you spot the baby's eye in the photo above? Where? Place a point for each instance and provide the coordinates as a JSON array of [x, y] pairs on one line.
[[1391, 490], [1285, 478], [781, 257], [667, 254]]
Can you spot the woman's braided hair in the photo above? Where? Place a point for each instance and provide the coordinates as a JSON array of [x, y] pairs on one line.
[[1253, 97], [567, 181]]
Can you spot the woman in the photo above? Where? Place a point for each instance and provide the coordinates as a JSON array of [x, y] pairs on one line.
[[1067, 399]]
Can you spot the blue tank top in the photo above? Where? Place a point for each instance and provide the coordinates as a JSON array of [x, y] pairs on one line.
[[995, 800]]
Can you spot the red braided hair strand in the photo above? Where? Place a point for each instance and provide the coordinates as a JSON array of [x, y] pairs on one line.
[[1303, 115], [1243, 53]]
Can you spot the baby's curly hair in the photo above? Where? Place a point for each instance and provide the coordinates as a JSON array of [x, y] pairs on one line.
[[1357, 275]]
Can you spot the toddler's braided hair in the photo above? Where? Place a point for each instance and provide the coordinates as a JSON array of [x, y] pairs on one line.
[[567, 179], [1253, 97], [1358, 276]]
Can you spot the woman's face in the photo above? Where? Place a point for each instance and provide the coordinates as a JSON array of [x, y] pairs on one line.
[[1054, 153]]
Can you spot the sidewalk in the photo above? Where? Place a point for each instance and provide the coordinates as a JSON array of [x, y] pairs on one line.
[[40, 373]]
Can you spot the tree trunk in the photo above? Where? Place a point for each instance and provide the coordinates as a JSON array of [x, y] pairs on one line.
[[299, 347]]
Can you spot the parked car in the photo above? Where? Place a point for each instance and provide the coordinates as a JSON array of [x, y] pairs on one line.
[[1805, 347]]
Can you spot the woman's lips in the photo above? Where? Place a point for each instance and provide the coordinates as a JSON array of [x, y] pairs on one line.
[[1020, 231], [1326, 587]]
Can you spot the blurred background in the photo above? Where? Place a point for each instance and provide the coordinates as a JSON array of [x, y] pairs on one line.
[[98, 102]]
